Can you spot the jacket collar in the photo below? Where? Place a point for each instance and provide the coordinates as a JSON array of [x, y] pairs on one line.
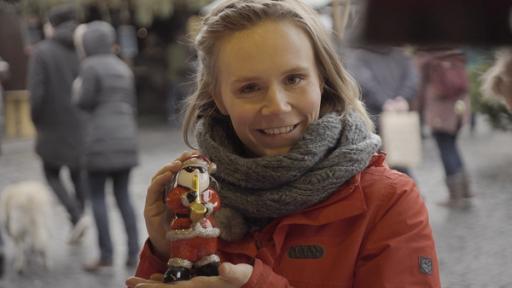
[[347, 202]]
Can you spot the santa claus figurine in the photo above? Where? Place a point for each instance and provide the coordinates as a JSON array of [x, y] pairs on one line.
[[192, 234]]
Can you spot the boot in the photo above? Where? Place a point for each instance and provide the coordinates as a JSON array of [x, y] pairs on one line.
[[457, 189], [467, 192], [176, 273], [210, 269], [2, 262]]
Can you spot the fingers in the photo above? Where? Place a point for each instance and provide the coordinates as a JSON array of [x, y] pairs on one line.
[[172, 167], [156, 188], [164, 176], [157, 277], [138, 282]]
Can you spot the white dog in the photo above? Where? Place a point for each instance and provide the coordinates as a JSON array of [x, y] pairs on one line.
[[25, 209]]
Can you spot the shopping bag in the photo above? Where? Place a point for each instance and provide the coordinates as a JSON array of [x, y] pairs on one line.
[[401, 138]]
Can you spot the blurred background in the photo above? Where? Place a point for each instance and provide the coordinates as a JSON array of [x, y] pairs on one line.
[[154, 39]]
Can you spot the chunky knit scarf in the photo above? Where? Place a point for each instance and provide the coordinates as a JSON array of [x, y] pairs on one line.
[[333, 149]]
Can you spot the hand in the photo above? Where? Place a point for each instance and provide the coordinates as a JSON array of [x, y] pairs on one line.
[[231, 276], [398, 104], [155, 209]]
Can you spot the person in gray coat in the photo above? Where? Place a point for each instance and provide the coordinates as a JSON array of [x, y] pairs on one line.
[[106, 92], [388, 79], [384, 74], [53, 66]]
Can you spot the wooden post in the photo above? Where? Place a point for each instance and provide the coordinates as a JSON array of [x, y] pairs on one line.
[[340, 16], [336, 18], [17, 115]]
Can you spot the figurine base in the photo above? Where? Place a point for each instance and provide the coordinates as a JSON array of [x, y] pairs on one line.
[[174, 274]]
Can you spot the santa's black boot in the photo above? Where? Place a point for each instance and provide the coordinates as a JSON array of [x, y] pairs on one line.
[[210, 269], [176, 273]]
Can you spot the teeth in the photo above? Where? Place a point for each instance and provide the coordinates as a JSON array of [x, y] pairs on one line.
[[280, 130]]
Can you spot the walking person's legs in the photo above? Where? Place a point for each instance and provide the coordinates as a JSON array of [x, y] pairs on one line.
[[122, 196], [80, 185], [97, 181], [2, 255], [450, 156], [52, 174], [79, 179], [457, 181]]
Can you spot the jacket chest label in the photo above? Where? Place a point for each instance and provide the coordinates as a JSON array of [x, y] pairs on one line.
[[306, 252]]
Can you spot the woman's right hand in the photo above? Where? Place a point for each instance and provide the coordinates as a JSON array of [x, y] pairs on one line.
[[155, 210]]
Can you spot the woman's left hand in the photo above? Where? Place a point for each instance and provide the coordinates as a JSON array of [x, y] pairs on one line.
[[231, 276]]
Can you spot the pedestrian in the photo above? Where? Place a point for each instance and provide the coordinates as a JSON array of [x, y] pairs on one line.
[[53, 66], [307, 200], [497, 80], [388, 79], [446, 108], [106, 93], [2, 256], [4, 71]]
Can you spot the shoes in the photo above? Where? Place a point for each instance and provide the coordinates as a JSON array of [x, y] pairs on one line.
[[78, 230], [210, 269], [175, 273], [98, 266]]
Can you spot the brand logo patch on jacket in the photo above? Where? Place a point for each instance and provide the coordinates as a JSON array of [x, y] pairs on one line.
[[306, 252], [425, 264]]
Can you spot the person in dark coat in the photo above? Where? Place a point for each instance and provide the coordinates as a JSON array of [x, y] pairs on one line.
[[60, 135], [106, 92], [4, 73], [4, 70]]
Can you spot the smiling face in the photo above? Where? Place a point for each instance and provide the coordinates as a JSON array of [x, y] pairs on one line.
[[269, 85]]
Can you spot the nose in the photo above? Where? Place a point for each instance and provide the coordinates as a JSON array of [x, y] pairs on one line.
[[276, 101]]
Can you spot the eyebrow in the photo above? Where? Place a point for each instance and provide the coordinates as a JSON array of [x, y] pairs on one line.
[[297, 69]]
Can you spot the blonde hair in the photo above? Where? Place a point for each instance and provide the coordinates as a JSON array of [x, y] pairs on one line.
[[498, 70], [340, 94]]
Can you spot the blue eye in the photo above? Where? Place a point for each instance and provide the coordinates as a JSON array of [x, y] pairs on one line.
[[294, 79], [249, 88]]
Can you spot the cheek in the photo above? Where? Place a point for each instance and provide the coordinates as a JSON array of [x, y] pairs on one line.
[[311, 102], [241, 117]]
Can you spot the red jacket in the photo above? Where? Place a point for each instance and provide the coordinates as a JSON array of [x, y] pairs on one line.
[[374, 232]]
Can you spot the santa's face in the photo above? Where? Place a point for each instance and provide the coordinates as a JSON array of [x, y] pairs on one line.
[[187, 174]]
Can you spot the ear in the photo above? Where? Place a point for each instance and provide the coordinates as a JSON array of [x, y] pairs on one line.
[[217, 98]]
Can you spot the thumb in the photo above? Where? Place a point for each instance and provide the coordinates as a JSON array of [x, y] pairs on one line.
[[236, 275]]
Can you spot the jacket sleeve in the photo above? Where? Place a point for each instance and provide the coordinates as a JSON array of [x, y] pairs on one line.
[[399, 249], [86, 97], [373, 95], [410, 81], [262, 276], [36, 85], [149, 263]]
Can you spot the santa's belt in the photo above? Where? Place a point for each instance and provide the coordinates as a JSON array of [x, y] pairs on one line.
[[181, 215]]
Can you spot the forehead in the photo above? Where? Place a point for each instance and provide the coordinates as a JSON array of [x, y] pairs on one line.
[[267, 46]]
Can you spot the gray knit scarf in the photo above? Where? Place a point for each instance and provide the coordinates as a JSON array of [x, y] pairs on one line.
[[333, 149]]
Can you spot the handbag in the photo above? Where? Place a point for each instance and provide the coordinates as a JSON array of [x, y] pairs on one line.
[[401, 138]]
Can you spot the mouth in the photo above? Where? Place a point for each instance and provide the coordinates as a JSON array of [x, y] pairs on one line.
[[278, 130]]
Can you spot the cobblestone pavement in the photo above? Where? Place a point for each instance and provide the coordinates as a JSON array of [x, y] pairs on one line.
[[473, 243]]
